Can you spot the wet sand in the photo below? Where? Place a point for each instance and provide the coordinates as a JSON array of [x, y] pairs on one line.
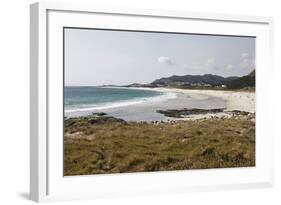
[[185, 98]]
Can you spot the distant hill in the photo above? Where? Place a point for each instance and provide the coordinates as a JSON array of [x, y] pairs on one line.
[[253, 73], [230, 78], [207, 79], [203, 81], [242, 82]]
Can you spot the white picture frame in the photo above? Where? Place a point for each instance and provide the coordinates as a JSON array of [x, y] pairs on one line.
[[47, 182]]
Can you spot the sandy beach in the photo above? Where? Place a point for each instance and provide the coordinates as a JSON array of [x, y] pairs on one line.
[[181, 99], [207, 99], [235, 100]]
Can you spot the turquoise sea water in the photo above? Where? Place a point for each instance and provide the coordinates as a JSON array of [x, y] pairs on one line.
[[131, 104], [96, 98]]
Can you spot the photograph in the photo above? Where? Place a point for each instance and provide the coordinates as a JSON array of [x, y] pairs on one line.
[[146, 101]]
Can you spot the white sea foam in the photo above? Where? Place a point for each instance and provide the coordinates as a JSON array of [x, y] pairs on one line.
[[105, 106]]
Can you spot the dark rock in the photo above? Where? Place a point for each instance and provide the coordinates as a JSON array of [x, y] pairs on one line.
[[99, 113], [238, 112], [185, 112], [104, 119]]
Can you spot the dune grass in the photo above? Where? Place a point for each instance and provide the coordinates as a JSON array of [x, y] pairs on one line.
[[122, 147]]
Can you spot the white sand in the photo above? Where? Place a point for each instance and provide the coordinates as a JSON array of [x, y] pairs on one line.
[[235, 100], [185, 98]]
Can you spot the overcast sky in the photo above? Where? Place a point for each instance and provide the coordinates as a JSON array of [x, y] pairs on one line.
[[98, 57]]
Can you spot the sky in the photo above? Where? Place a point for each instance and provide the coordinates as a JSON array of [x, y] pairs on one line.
[[106, 57]]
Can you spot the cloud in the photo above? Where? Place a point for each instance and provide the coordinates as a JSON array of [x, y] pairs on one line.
[[166, 60], [229, 66]]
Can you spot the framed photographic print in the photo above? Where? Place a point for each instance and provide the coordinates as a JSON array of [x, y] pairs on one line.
[[127, 102]]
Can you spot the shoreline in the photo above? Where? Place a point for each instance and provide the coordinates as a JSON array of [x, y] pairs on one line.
[[235, 100], [204, 99], [165, 95]]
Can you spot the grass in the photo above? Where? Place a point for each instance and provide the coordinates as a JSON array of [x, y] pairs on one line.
[[122, 147]]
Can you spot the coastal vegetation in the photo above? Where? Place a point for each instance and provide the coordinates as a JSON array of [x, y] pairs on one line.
[[101, 144]]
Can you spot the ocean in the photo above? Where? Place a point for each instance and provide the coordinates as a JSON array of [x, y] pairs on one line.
[[83, 99], [131, 104]]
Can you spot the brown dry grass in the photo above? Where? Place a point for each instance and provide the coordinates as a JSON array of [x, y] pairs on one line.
[[118, 147]]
